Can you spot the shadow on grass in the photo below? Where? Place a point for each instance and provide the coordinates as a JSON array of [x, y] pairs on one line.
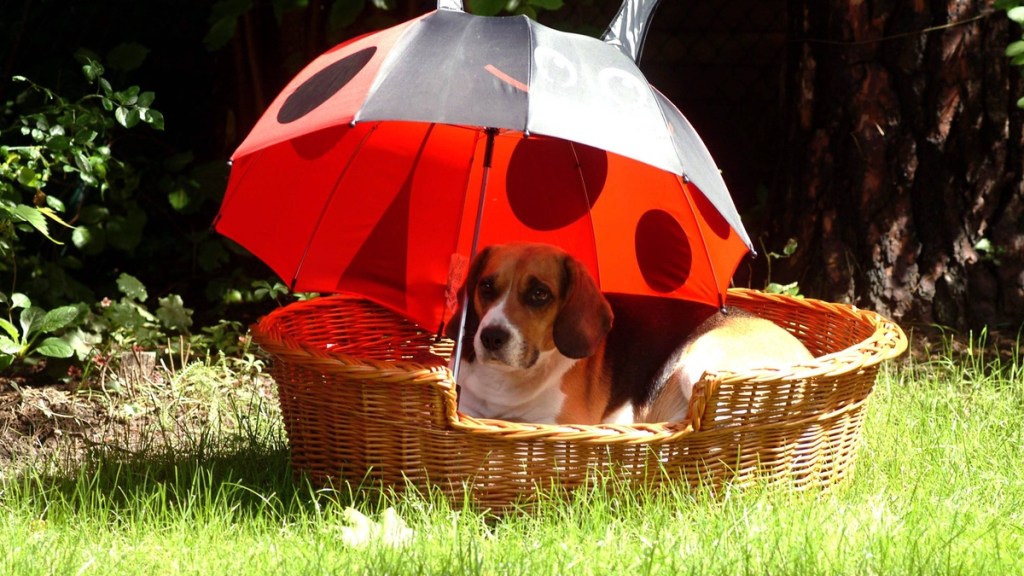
[[240, 483]]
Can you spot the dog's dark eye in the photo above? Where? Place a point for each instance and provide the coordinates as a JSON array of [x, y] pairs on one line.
[[486, 289], [538, 296]]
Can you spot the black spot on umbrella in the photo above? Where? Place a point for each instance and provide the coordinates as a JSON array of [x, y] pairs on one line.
[[553, 183], [321, 86], [316, 144], [662, 251], [711, 215]]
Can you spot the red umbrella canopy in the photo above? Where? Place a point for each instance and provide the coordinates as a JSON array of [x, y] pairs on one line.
[[383, 163]]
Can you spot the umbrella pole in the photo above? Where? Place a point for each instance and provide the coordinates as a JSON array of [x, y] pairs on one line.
[[488, 156]]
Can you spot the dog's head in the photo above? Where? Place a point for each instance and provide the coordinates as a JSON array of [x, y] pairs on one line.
[[526, 299]]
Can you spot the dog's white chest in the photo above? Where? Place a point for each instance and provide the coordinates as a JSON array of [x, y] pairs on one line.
[[535, 395]]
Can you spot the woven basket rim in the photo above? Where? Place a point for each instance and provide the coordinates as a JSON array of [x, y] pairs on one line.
[[887, 341]]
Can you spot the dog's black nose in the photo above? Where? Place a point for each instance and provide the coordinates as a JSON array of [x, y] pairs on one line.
[[494, 337]]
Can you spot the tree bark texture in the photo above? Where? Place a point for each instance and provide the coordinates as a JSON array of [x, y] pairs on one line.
[[904, 158]]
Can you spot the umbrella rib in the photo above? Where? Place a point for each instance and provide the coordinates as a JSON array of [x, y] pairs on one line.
[[488, 154], [586, 198], [330, 199], [230, 194], [700, 230]]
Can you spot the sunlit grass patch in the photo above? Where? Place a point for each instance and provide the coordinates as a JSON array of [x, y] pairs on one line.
[[937, 489]]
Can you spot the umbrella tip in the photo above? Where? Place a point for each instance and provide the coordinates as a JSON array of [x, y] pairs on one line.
[[455, 5], [628, 29]]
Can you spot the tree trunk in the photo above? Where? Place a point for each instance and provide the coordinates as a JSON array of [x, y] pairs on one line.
[[904, 160]]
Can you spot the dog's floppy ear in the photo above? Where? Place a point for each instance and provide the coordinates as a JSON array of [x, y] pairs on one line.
[[467, 294], [585, 317]]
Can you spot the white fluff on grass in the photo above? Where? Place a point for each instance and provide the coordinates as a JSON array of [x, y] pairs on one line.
[[362, 530]]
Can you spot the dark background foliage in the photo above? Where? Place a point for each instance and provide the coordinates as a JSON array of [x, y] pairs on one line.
[[738, 70]]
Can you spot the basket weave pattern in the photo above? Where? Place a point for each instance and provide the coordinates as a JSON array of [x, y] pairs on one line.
[[366, 397]]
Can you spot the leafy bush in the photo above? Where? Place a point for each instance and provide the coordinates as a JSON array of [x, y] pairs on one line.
[[58, 168], [66, 144], [22, 340]]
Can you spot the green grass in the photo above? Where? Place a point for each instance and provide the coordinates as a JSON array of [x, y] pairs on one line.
[[938, 489]]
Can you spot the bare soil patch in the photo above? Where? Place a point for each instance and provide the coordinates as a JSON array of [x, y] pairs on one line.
[[59, 423]]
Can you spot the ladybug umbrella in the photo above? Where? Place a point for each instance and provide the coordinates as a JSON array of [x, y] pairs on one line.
[[384, 164]]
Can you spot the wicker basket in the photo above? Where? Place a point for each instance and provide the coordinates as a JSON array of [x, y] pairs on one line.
[[367, 397]]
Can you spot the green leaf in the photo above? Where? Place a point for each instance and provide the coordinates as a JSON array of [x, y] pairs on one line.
[[179, 199], [128, 316], [58, 318], [1017, 60], [83, 343], [8, 346], [54, 203], [127, 56], [224, 16], [55, 348], [154, 119], [49, 213], [1015, 48], [131, 287], [220, 33], [122, 116], [173, 314], [1016, 14], [1020, 103], [92, 69], [30, 317], [524, 9], [487, 7], [129, 96], [125, 232], [232, 296], [81, 237], [28, 178], [93, 214], [32, 216], [9, 328], [791, 289], [19, 300], [134, 116]]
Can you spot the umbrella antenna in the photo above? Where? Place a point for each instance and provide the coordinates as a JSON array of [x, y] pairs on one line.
[[488, 157], [455, 5], [628, 29]]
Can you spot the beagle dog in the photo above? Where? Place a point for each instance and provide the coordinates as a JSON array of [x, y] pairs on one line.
[[540, 344]]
